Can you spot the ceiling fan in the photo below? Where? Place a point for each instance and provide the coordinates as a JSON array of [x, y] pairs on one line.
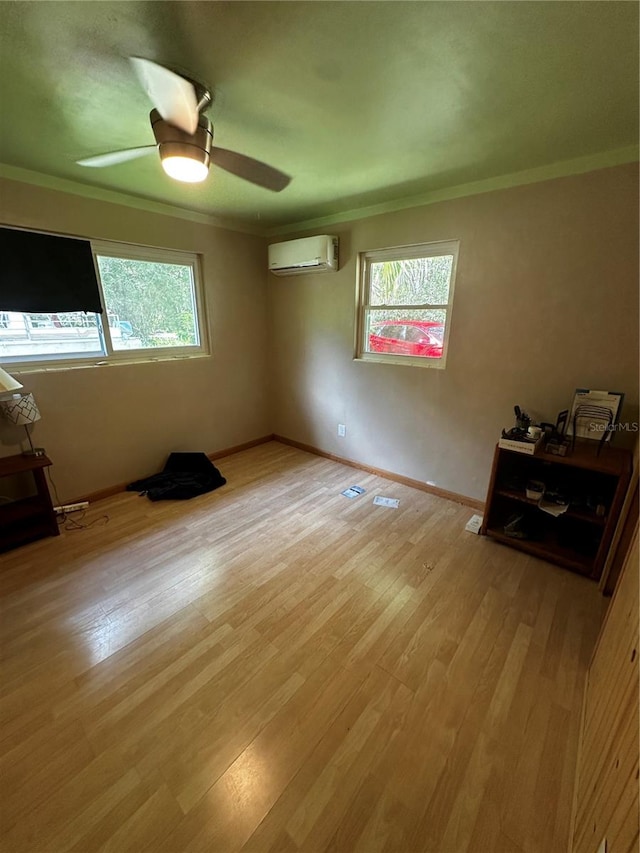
[[184, 134]]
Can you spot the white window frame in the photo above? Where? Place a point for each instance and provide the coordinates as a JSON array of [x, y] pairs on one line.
[[364, 308], [38, 363]]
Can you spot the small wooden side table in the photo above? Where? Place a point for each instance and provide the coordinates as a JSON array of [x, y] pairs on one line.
[[27, 518]]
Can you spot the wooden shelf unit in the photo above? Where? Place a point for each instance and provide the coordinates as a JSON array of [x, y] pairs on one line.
[[31, 517], [578, 539]]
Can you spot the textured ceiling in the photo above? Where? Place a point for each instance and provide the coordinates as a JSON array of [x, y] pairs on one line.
[[363, 103]]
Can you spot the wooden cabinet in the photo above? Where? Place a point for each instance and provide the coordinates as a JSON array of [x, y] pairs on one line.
[[579, 538], [26, 517], [606, 797]]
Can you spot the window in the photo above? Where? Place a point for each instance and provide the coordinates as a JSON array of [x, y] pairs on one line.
[[152, 308], [405, 299]]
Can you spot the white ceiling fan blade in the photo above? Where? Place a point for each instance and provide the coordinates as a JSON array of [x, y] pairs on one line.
[[251, 170], [172, 95], [112, 158]]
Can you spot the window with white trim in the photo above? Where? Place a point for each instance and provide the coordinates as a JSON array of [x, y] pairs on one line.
[[152, 309], [405, 302]]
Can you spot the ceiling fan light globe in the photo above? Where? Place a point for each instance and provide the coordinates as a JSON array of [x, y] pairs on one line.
[[186, 169]]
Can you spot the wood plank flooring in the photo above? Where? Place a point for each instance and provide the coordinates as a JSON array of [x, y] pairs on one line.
[[274, 667]]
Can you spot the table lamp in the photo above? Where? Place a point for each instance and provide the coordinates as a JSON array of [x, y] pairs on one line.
[[19, 409]]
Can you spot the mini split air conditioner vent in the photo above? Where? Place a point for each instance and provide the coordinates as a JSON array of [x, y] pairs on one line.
[[309, 254]]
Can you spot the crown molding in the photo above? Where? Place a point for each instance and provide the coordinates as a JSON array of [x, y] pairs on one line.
[[50, 182], [564, 168]]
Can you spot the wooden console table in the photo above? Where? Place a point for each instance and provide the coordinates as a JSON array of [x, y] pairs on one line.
[[26, 518]]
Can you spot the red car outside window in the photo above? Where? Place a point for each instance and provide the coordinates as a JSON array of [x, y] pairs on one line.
[[407, 337]]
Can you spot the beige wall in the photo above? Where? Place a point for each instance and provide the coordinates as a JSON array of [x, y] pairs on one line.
[[106, 425], [546, 300]]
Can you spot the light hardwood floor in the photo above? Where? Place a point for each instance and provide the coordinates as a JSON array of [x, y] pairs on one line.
[[274, 667]]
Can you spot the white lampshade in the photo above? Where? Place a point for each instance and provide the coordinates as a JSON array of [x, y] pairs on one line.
[[20, 410], [7, 382]]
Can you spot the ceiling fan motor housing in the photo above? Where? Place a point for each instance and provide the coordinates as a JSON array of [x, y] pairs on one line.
[[173, 142]]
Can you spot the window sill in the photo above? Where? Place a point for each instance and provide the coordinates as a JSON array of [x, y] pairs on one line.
[[402, 361], [22, 368]]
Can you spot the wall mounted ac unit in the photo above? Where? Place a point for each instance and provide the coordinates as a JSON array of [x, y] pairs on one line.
[[309, 254]]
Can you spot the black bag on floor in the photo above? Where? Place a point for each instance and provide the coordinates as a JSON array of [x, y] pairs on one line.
[[184, 476]]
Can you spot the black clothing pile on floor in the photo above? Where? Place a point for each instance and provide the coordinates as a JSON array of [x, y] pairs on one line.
[[184, 476]]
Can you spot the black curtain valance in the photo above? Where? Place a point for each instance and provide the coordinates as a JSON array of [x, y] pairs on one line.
[[46, 274]]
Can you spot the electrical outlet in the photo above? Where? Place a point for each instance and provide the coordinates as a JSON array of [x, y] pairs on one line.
[[342, 430]]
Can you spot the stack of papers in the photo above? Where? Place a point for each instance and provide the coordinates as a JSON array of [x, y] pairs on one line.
[[394, 503]]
